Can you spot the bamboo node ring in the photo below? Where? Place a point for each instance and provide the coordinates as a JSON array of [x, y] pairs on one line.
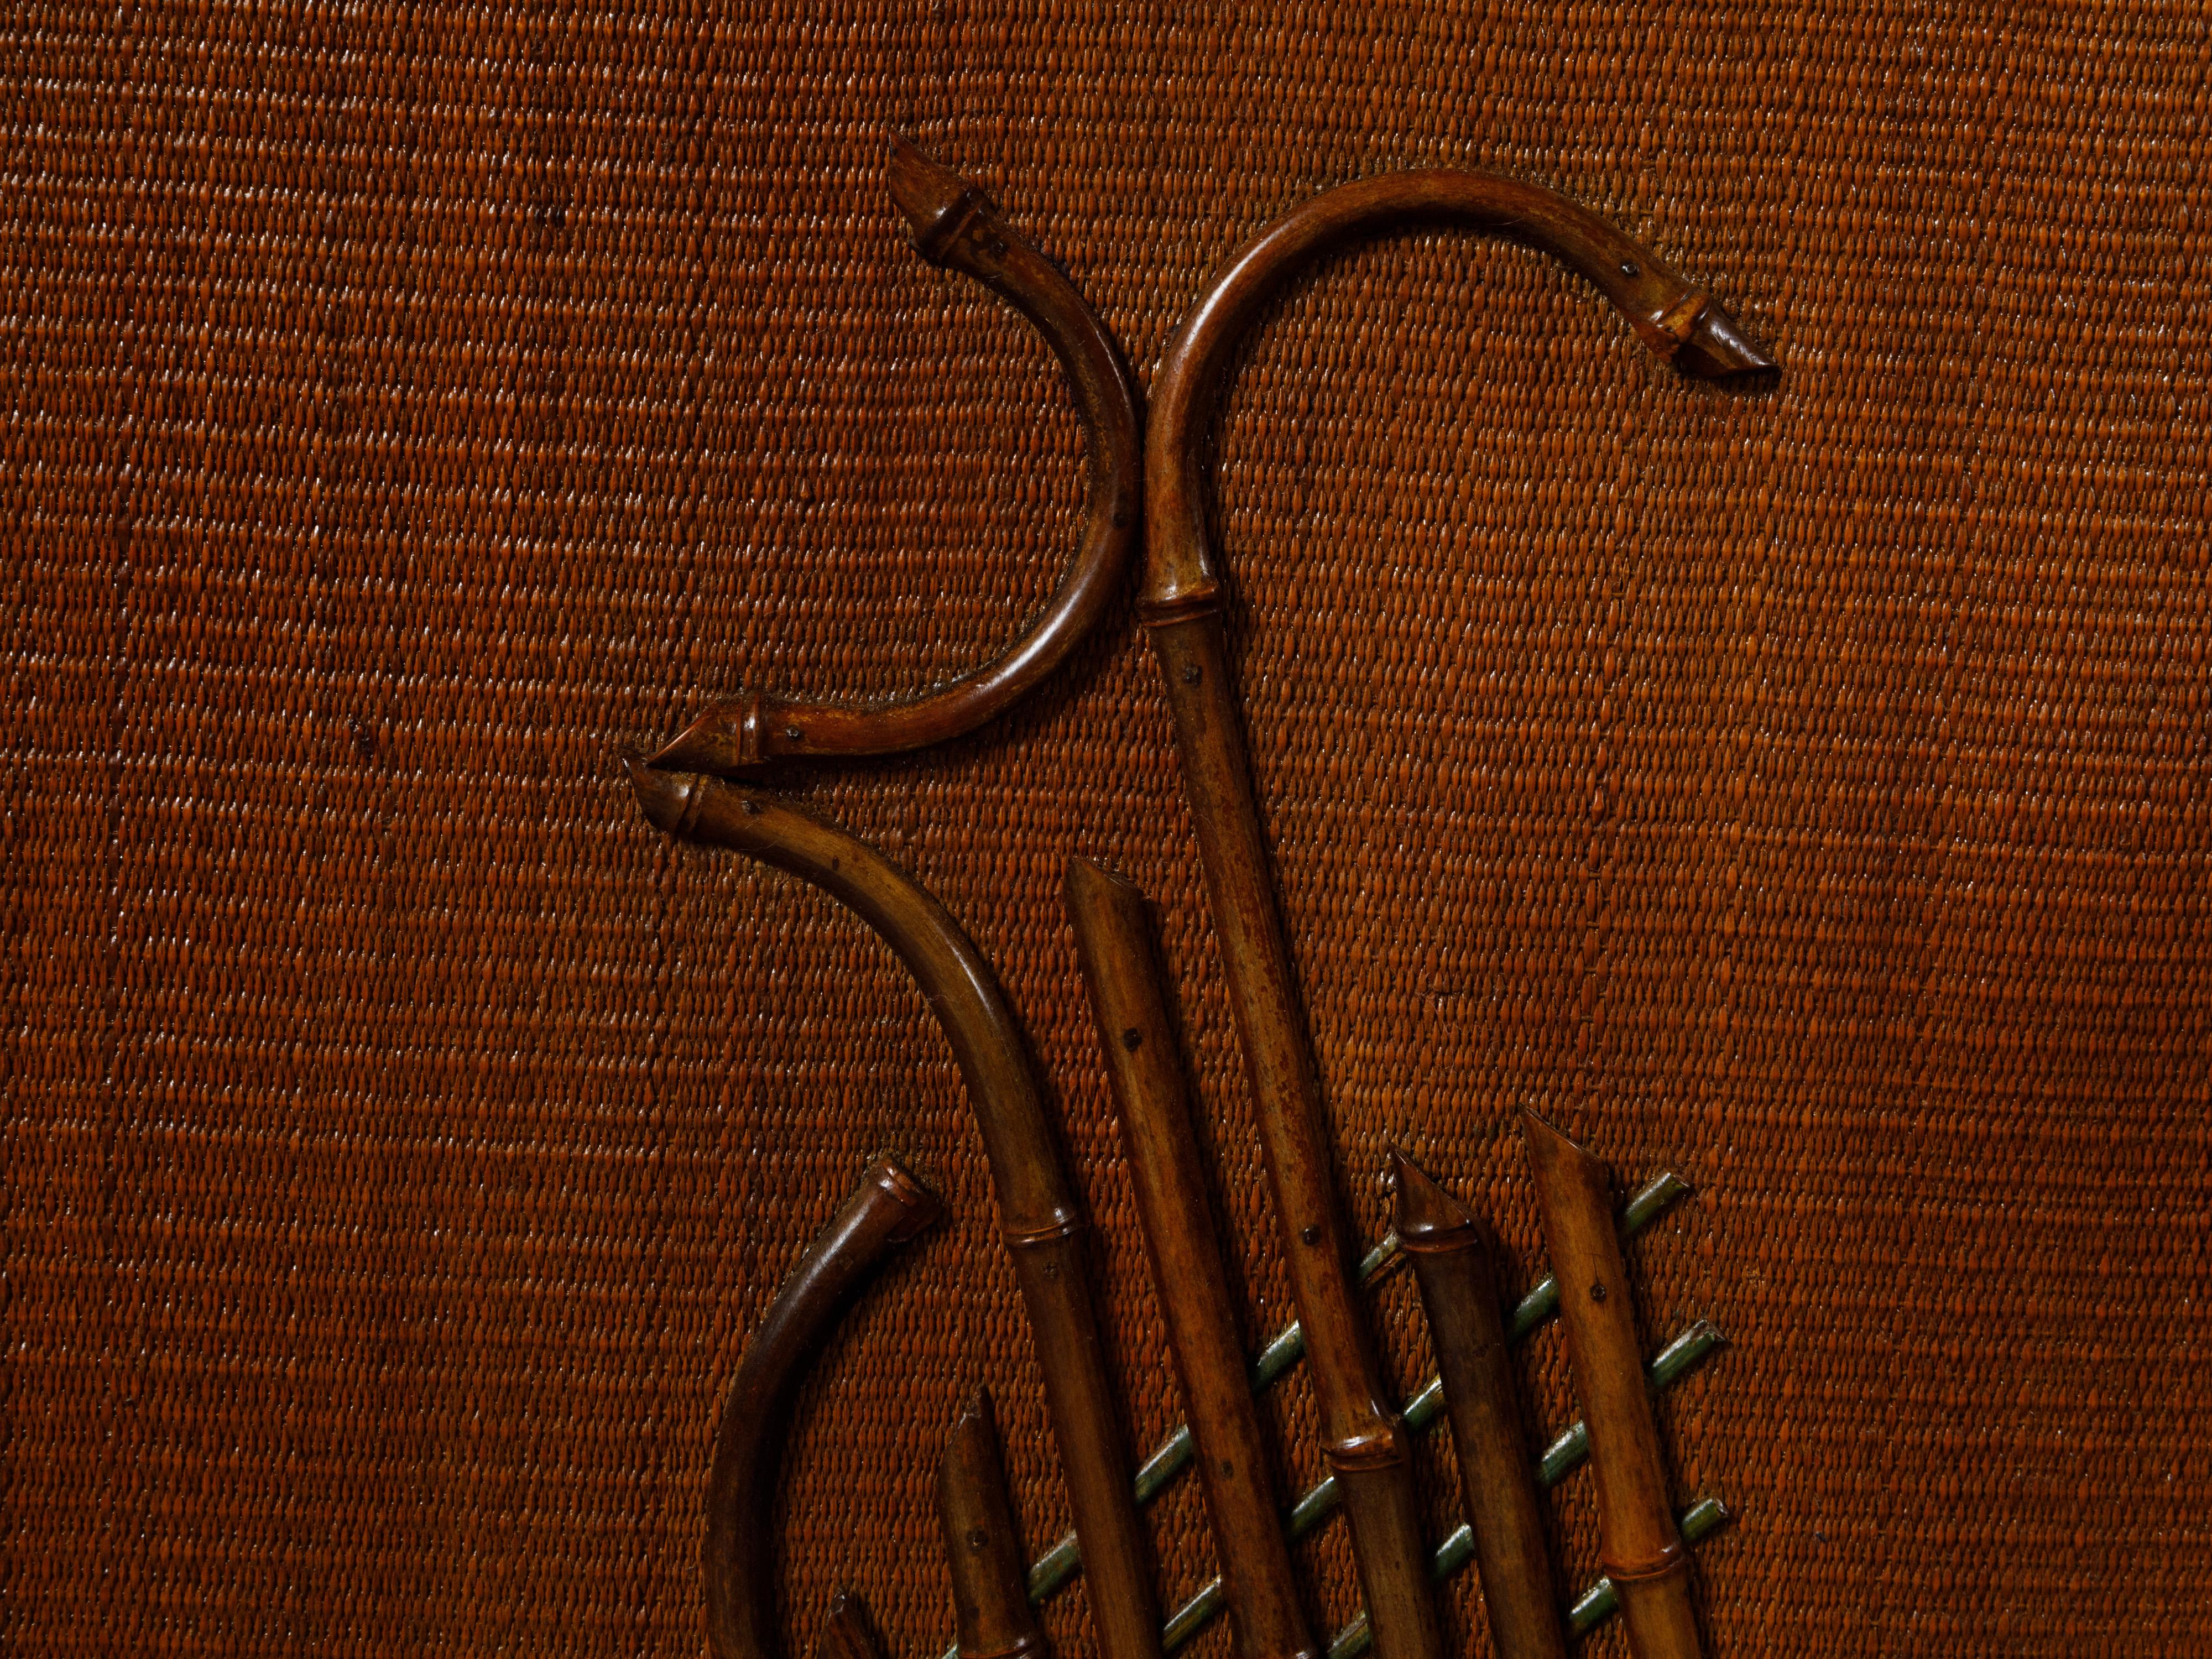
[[1064, 1224], [1379, 1448]]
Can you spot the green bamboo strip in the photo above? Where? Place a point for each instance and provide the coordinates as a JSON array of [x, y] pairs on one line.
[[1061, 1565], [1669, 1366], [1592, 1608]]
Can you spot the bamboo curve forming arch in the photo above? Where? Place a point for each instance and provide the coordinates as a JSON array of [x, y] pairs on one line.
[[737, 1556], [955, 224]]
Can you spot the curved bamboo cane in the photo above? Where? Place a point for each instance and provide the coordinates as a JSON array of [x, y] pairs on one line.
[[738, 1554], [955, 224], [1181, 604], [1038, 1213]]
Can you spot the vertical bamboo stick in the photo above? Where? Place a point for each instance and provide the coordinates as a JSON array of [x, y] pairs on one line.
[[1640, 1545], [982, 1540], [1497, 1478], [1136, 1033]]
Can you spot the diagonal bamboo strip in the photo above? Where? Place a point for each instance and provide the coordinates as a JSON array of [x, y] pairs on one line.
[[1060, 1566], [1669, 1366], [1592, 1607]]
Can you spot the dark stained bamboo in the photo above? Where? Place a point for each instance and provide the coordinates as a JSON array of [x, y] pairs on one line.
[[1038, 1213], [955, 224], [1639, 1544], [1181, 606], [738, 1554], [983, 1541], [1136, 1032], [848, 1631], [1498, 1478]]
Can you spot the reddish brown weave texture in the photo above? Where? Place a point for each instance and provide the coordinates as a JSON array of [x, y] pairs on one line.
[[408, 407]]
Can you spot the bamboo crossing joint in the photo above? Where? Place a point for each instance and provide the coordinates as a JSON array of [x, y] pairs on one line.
[[1061, 1565]]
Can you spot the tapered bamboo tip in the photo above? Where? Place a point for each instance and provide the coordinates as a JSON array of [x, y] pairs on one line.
[[1429, 1218], [927, 193], [714, 742], [1551, 1154], [848, 1631], [1719, 349], [665, 796], [975, 1426]]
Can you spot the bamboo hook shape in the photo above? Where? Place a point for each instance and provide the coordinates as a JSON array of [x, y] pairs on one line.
[[1039, 1215], [955, 224], [1179, 604]]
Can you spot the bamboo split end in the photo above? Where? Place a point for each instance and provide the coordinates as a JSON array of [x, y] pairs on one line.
[[848, 1631]]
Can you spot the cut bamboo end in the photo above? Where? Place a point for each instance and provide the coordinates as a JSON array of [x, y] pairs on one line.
[[1555, 1160], [922, 1208], [1429, 1218], [933, 197], [727, 740]]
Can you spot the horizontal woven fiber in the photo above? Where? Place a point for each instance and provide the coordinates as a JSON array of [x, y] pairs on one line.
[[409, 408]]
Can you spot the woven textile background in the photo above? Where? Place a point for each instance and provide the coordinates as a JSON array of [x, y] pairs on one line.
[[407, 408]]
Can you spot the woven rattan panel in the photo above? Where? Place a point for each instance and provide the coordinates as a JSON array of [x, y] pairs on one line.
[[409, 407]]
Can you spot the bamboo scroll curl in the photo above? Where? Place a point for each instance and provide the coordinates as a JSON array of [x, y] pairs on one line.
[[955, 224], [1181, 604], [1039, 1215]]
